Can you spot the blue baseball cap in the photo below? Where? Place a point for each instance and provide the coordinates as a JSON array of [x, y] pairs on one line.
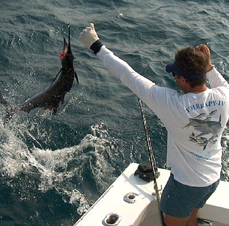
[[173, 67]]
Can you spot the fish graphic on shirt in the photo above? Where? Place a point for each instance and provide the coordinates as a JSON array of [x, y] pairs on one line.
[[205, 126]]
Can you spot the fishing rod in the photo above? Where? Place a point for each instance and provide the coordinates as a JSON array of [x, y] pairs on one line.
[[152, 160]]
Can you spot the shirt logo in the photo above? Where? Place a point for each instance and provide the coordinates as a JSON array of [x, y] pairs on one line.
[[208, 130]]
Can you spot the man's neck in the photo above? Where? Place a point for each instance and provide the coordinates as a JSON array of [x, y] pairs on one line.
[[197, 89]]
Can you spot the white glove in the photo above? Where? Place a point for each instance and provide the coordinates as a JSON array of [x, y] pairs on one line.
[[88, 36]]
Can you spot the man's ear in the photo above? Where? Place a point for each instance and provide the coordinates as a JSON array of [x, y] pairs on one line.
[[186, 82], [183, 79]]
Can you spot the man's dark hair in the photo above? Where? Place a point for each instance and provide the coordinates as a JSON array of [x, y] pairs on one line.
[[194, 62]]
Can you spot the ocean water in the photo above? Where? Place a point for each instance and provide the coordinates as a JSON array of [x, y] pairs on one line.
[[53, 168]]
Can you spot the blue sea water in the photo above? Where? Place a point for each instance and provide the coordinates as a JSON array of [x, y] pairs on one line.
[[53, 168]]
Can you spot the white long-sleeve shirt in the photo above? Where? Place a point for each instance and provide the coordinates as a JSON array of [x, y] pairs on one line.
[[195, 122]]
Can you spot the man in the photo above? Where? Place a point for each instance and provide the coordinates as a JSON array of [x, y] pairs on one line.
[[195, 122]]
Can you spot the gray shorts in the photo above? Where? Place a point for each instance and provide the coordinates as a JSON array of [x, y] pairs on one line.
[[179, 200]]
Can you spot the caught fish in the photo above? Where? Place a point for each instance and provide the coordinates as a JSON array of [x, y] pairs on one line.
[[50, 97]]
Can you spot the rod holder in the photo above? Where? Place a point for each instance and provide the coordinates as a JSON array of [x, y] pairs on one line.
[[111, 219], [131, 197]]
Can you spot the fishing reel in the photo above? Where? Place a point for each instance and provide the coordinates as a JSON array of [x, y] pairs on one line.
[[146, 173]]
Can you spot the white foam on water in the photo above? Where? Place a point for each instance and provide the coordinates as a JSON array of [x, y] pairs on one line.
[[61, 169]]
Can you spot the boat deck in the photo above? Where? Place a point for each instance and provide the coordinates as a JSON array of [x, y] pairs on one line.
[[218, 224], [131, 201]]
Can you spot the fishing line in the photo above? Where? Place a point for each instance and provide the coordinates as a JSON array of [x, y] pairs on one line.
[[152, 160]]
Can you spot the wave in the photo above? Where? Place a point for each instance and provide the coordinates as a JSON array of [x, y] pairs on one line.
[[63, 170]]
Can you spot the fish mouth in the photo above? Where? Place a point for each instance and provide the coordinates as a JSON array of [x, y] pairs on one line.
[[67, 47]]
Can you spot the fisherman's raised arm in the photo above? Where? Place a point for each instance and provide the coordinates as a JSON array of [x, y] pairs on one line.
[[145, 89], [214, 77], [114, 64]]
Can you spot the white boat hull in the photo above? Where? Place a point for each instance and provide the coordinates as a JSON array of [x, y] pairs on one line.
[[130, 201]]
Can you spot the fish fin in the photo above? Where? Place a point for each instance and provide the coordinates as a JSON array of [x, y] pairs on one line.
[[76, 76], [56, 75], [62, 99]]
